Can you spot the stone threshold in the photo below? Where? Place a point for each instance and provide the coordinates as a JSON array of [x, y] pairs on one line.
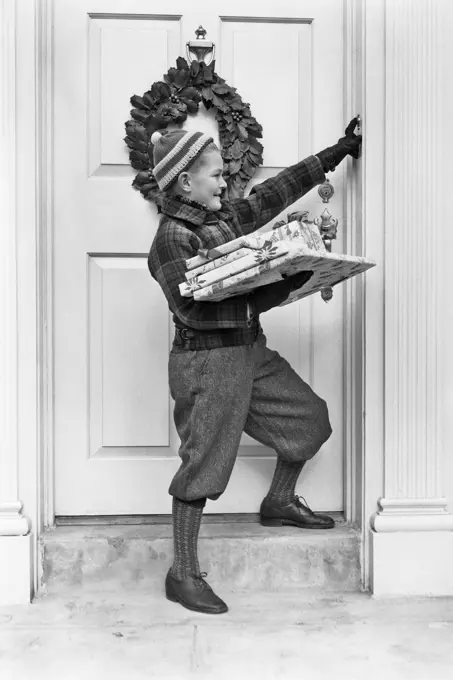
[[236, 555], [125, 520]]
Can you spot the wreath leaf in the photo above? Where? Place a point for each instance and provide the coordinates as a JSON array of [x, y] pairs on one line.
[[207, 94], [234, 167], [236, 151], [190, 93], [194, 67], [141, 178], [222, 88], [243, 134], [181, 63], [192, 107], [160, 91], [139, 114], [256, 148], [182, 78], [237, 104], [138, 160], [149, 100], [136, 144], [248, 167], [137, 102], [136, 131], [219, 103]]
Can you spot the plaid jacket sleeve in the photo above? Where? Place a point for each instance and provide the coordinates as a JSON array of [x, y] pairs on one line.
[[172, 246], [268, 199]]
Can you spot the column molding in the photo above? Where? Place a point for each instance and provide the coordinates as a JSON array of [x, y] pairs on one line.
[[371, 91], [353, 335], [413, 273], [44, 248], [16, 546], [412, 514], [412, 539], [12, 521]]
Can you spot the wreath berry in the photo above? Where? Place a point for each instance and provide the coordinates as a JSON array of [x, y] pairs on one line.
[[170, 102]]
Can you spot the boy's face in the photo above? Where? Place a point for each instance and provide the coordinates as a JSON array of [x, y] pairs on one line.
[[206, 183]]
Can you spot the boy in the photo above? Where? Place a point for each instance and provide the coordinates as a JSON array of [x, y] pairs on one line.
[[222, 376]]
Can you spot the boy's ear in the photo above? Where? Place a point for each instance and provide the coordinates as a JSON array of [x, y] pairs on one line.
[[184, 181]]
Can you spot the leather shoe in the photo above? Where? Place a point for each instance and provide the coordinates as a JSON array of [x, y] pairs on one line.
[[194, 593], [275, 514]]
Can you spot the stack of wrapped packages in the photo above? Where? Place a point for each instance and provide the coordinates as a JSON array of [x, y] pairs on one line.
[[241, 265]]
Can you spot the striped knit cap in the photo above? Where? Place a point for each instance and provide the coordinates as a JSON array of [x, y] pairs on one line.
[[174, 152]]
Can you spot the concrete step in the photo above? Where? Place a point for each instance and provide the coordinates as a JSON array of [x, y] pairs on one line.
[[237, 556]]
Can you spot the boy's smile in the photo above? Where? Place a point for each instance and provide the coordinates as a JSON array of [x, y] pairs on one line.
[[206, 183]]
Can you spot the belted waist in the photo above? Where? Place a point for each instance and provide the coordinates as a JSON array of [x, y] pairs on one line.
[[192, 339]]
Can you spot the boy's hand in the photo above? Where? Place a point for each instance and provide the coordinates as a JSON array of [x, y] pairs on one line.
[[272, 295], [298, 280], [347, 145], [351, 141]]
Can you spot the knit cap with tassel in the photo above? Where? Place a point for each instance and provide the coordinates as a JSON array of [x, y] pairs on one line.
[[174, 152]]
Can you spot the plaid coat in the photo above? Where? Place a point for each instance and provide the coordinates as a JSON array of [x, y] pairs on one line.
[[184, 229]]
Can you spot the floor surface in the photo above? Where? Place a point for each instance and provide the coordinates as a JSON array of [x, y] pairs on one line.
[[132, 635]]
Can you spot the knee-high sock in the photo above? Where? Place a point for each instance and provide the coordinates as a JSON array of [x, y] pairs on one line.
[[283, 485], [186, 527]]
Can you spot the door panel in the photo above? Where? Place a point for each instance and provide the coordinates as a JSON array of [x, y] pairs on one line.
[[115, 442], [120, 52], [280, 93]]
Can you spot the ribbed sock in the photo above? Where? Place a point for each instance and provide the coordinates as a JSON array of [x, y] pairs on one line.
[[283, 485], [186, 527]]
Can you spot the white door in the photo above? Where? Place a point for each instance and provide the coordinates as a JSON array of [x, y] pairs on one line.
[[115, 443]]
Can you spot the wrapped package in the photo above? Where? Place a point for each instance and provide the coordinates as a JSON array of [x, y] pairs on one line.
[[248, 262]]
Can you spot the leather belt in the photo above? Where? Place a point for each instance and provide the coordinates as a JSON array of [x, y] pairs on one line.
[[192, 339]]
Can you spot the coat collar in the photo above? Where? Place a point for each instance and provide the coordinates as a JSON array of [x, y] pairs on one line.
[[191, 211]]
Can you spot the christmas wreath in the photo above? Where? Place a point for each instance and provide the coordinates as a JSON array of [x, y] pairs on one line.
[[170, 102]]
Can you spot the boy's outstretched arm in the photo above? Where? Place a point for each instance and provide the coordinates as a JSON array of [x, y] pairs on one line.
[[268, 199]]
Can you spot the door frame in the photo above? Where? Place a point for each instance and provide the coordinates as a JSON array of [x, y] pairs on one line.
[[34, 126]]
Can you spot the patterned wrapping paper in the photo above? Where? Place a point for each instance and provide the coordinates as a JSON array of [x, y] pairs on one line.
[[251, 258], [298, 231], [246, 263], [329, 269], [294, 230], [205, 256], [219, 262]]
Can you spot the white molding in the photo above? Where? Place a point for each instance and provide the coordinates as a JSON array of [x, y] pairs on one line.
[[12, 521], [8, 255], [354, 312], [413, 273], [45, 222], [412, 514], [372, 84], [16, 568], [16, 541], [367, 432], [413, 563], [411, 534], [414, 105], [359, 185]]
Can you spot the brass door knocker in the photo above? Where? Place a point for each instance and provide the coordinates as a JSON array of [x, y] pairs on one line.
[[200, 47]]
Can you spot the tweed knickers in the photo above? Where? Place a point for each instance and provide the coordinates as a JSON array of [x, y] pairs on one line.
[[220, 393]]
